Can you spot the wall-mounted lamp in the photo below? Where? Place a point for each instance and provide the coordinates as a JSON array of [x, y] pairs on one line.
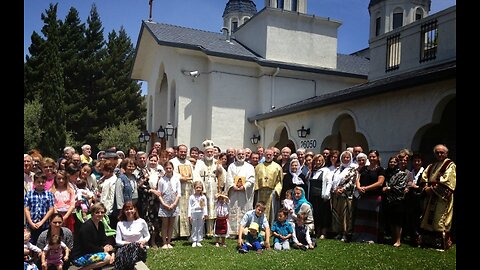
[[302, 133], [193, 73], [254, 139], [144, 137], [164, 133]]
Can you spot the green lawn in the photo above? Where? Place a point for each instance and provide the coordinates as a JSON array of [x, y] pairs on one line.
[[329, 254]]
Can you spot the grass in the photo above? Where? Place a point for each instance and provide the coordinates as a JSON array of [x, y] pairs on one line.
[[329, 254]]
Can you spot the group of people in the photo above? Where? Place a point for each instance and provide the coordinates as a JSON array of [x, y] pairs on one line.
[[154, 198]]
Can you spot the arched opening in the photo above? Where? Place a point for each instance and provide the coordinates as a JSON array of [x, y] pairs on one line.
[[344, 135], [418, 13], [294, 6], [397, 18], [234, 25], [443, 131], [280, 139]]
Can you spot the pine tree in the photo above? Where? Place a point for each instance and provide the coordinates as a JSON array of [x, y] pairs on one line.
[[82, 83], [32, 70], [91, 73], [52, 92], [121, 95], [72, 45]]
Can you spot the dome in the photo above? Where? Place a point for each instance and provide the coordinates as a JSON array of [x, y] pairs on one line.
[[374, 2], [242, 6]]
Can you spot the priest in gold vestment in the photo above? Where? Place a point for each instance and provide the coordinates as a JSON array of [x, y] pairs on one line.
[[439, 181], [268, 185]]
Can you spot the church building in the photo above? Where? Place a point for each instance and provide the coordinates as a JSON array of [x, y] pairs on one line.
[[273, 77]]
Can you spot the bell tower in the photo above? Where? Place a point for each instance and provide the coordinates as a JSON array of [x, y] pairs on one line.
[[387, 15], [236, 13], [290, 5]]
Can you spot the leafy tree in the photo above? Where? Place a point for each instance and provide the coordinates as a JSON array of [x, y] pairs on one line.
[[123, 136], [32, 132]]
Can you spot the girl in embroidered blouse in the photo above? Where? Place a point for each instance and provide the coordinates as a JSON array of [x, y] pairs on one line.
[[197, 213], [221, 228]]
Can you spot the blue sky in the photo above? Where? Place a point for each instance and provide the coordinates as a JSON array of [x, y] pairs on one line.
[[204, 15]]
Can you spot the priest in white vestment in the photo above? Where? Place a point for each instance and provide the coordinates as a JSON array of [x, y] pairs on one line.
[[239, 187], [213, 176]]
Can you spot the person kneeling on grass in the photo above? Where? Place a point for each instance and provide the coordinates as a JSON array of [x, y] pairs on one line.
[[253, 241], [301, 235]]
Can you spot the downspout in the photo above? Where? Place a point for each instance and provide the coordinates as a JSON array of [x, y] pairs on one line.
[[273, 88]]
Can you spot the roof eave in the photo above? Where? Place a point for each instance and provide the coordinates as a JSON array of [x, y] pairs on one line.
[[362, 92]]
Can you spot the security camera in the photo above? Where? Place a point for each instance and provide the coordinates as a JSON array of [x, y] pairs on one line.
[[194, 73]]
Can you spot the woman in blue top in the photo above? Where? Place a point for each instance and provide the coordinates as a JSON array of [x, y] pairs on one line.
[[302, 206]]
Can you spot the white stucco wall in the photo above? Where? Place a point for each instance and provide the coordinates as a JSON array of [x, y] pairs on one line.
[[291, 37], [388, 121]]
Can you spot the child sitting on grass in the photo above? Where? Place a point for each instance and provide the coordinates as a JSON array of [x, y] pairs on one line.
[[301, 235], [253, 241], [282, 231]]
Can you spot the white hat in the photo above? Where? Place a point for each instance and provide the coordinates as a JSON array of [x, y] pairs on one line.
[[208, 144]]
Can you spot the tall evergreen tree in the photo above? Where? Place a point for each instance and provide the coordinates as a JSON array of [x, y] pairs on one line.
[[52, 92], [121, 95], [81, 82], [91, 73], [33, 69], [72, 45]]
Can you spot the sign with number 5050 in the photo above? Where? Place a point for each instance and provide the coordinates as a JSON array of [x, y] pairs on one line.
[[308, 144]]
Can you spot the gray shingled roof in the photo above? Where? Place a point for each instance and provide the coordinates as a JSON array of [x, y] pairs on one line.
[[401, 81], [244, 6], [353, 64], [178, 36], [215, 44]]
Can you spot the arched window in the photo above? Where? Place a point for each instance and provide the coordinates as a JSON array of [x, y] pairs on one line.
[[418, 14], [378, 25], [234, 25], [280, 4], [294, 5], [397, 18]]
